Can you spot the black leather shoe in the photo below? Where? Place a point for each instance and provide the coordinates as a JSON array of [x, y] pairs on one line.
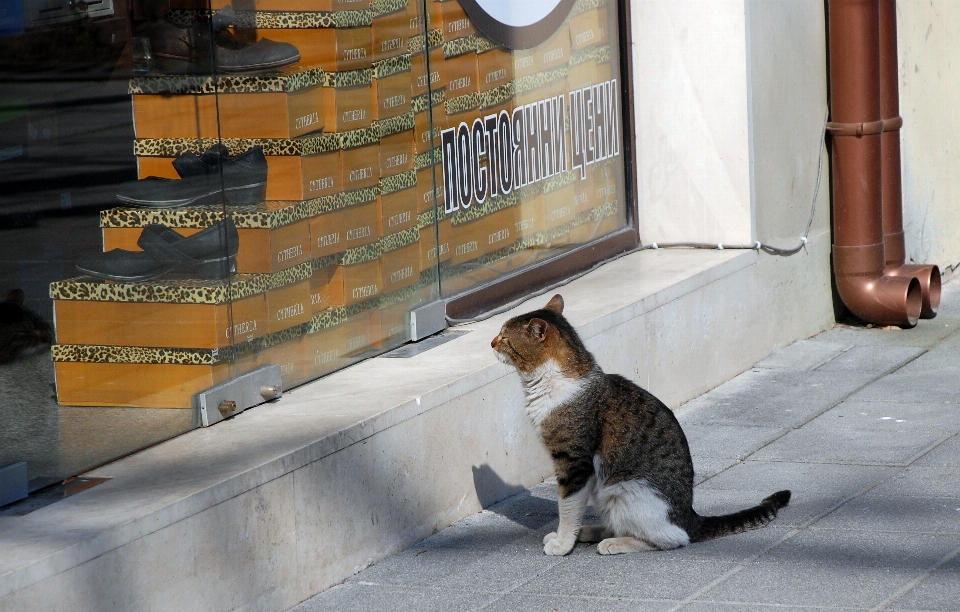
[[206, 46], [211, 178], [210, 254]]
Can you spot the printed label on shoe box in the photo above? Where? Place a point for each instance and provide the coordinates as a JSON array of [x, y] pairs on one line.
[[391, 34], [401, 268], [559, 206], [328, 234], [426, 136], [456, 24], [362, 332], [588, 73], [585, 30], [396, 153], [436, 247], [349, 108], [495, 68], [135, 385], [326, 288], [420, 79], [460, 75], [530, 217], [291, 356], [288, 306], [429, 189], [362, 282], [399, 210], [160, 325], [277, 5], [333, 49], [326, 350], [361, 167], [393, 95], [321, 175], [363, 224]]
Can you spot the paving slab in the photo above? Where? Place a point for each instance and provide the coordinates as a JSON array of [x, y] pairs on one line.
[[804, 355], [939, 590], [512, 602], [922, 481], [897, 514], [857, 447], [944, 455], [869, 359], [890, 416], [926, 334], [809, 585], [773, 398]]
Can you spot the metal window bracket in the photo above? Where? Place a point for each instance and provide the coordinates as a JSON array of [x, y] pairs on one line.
[[234, 396], [428, 320]]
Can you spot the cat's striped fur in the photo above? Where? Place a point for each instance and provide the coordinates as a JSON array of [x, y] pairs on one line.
[[613, 443]]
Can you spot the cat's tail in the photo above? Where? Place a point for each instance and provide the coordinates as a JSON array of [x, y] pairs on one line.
[[745, 520]]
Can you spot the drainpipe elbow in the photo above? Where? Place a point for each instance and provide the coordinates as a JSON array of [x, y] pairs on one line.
[[928, 276], [869, 294]]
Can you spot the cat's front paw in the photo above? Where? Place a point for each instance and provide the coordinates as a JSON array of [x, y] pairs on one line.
[[558, 547], [550, 536]]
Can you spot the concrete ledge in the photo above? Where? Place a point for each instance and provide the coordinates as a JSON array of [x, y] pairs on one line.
[[266, 509]]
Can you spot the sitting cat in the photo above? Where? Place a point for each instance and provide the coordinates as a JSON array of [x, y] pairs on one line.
[[611, 442]]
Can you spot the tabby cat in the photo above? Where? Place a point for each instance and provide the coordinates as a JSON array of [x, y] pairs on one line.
[[611, 442]]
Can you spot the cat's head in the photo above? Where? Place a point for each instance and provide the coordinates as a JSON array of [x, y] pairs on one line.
[[531, 340]]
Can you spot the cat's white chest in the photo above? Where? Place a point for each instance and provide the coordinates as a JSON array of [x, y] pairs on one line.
[[547, 388]]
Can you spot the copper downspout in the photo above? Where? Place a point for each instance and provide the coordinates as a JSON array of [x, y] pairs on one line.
[[893, 245], [858, 251]]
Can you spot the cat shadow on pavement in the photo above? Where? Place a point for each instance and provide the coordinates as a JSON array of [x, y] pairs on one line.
[[513, 502]]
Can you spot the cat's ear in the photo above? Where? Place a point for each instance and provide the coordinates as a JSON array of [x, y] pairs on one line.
[[555, 304], [537, 329]]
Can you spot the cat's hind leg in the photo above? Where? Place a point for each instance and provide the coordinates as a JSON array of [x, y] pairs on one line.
[[634, 510], [618, 546], [594, 533]]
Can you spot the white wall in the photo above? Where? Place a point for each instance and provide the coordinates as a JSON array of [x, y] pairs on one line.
[[929, 54], [690, 78]]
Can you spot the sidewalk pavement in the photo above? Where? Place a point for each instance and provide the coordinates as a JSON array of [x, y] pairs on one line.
[[861, 424]]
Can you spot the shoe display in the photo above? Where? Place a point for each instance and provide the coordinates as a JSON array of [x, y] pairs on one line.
[[209, 255], [212, 177], [207, 46]]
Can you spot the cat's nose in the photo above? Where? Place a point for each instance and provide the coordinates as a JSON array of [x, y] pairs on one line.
[[493, 343]]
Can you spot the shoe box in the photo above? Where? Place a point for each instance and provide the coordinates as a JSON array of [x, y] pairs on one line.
[[392, 83], [155, 344], [398, 202], [455, 22], [273, 235], [589, 28], [297, 169], [459, 72], [426, 60], [277, 5], [287, 104], [473, 236], [494, 68], [435, 239]]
